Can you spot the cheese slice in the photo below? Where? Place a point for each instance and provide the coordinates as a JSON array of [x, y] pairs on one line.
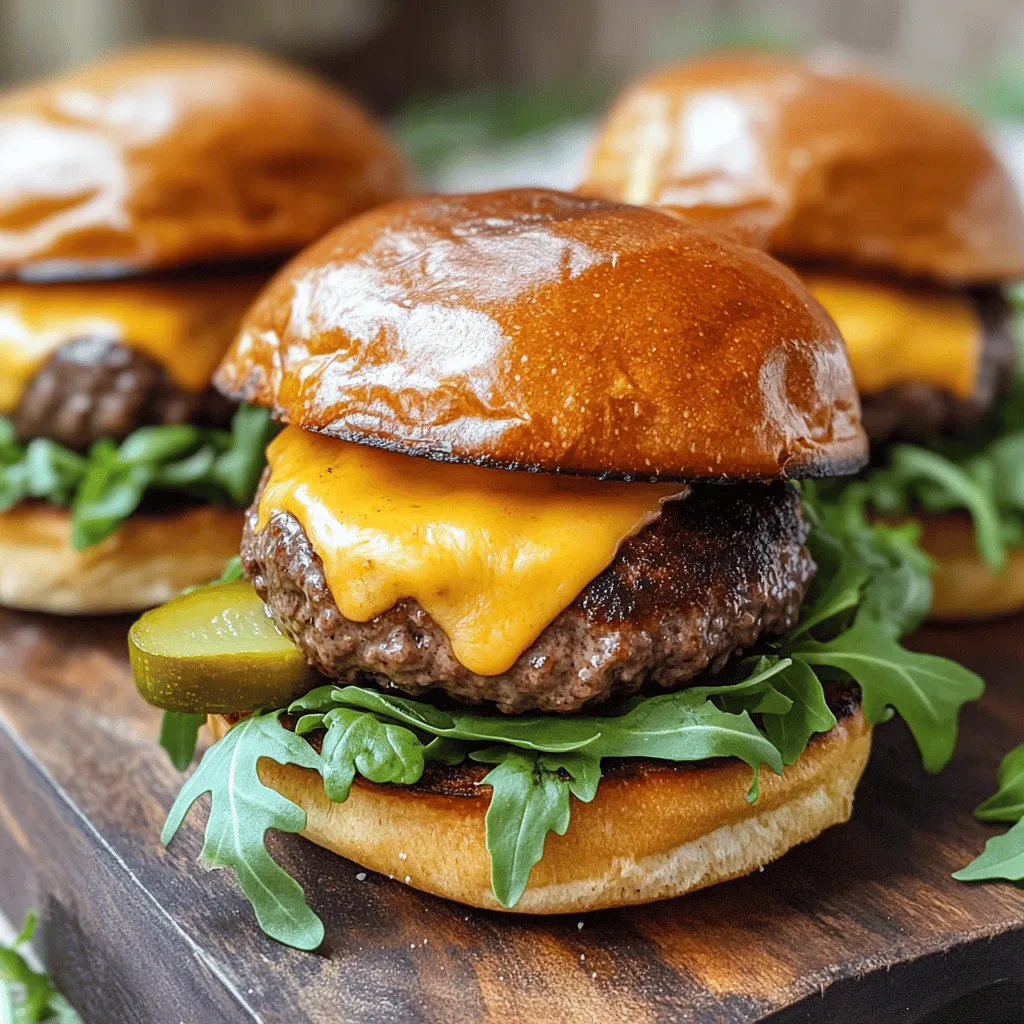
[[895, 335], [186, 326], [493, 556]]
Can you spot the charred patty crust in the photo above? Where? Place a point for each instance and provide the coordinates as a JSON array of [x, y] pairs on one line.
[[97, 387], [915, 411], [702, 582]]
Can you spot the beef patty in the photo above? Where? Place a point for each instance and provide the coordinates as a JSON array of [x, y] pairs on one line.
[[915, 411], [98, 387], [702, 582]]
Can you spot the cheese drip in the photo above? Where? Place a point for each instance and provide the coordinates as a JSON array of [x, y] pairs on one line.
[[492, 556], [895, 335], [186, 326]]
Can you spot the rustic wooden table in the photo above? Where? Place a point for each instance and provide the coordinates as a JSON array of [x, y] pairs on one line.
[[863, 925]]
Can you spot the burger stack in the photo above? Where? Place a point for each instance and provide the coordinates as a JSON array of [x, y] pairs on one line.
[[144, 201], [902, 222]]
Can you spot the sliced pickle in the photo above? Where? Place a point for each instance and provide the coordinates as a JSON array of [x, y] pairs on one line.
[[215, 651]]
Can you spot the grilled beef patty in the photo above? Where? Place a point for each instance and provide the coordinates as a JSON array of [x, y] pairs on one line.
[[915, 411], [705, 580], [97, 387]]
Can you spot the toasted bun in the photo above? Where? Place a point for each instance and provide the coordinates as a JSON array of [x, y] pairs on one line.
[[174, 154], [147, 561], [819, 162], [652, 832], [540, 330], [964, 586]]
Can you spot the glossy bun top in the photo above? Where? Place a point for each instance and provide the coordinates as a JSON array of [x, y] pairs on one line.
[[819, 162], [540, 330], [174, 154]]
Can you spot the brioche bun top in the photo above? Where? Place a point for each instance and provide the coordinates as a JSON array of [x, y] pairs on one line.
[[822, 163], [533, 329], [178, 153]]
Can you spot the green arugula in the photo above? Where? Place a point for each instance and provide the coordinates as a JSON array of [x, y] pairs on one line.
[[981, 473], [790, 731], [105, 486], [379, 751], [856, 625], [1007, 803], [26, 996], [1003, 856], [681, 726], [179, 733], [241, 811], [529, 798], [872, 586], [926, 691]]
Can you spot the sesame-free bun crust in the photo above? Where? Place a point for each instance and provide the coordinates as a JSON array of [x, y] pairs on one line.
[[652, 832], [149, 560], [964, 587], [539, 330], [180, 153], [818, 162]]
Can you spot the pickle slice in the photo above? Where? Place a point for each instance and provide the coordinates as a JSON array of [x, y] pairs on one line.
[[215, 651]]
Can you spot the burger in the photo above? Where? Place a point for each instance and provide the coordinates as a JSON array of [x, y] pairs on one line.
[[534, 609], [144, 202], [901, 221]]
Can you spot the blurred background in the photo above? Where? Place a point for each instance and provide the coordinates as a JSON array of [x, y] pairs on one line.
[[487, 92]]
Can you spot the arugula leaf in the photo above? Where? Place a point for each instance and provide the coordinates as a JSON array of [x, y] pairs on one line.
[[237, 469], [529, 799], [1003, 856], [105, 486], [26, 996], [898, 595], [876, 568], [926, 691], [446, 751], [951, 486], [681, 726], [1007, 803], [179, 733], [809, 713], [532, 732], [675, 727], [241, 811], [379, 751], [1002, 859], [233, 571], [768, 701], [107, 495]]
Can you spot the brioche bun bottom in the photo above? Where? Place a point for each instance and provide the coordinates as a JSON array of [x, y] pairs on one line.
[[651, 833], [148, 560], [964, 586]]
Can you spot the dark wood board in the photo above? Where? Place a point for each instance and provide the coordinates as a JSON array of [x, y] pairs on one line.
[[864, 924]]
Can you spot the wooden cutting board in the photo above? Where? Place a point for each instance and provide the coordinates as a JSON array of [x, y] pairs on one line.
[[863, 925]]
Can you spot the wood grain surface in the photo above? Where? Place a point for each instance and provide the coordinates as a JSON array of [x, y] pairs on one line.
[[864, 924]]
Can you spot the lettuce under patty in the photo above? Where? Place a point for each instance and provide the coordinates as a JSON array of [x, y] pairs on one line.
[[981, 473], [872, 586], [107, 484]]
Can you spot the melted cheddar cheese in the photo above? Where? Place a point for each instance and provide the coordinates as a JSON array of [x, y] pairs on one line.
[[493, 556], [186, 326], [895, 335]]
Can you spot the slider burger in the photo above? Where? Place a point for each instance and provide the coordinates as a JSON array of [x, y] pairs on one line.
[[144, 201], [901, 221], [530, 611]]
